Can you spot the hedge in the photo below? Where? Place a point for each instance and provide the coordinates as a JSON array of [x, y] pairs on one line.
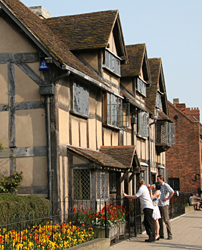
[[17, 208]]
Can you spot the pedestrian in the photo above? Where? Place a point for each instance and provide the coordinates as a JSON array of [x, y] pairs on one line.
[[155, 194], [166, 194], [147, 207]]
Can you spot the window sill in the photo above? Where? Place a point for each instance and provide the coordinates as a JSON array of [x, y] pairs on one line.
[[111, 71], [78, 114], [111, 126], [143, 138]]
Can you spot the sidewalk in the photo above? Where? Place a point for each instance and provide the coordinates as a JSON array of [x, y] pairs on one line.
[[186, 230]]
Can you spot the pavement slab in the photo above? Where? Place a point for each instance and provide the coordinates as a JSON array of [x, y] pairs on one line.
[[186, 230]]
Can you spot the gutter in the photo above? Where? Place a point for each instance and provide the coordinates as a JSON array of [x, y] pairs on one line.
[[90, 79]]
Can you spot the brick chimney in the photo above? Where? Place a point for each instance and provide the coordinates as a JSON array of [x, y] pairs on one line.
[[194, 112], [40, 11]]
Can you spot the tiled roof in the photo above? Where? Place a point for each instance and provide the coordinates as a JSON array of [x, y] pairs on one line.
[[155, 67], [85, 31], [157, 84], [123, 154], [135, 60], [46, 37], [120, 157]]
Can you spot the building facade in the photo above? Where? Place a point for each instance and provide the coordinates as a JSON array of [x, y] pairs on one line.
[[183, 160], [74, 105]]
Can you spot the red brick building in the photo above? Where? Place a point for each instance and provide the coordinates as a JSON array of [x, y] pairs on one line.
[[184, 158]]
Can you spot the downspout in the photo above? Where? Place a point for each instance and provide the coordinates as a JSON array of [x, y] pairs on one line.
[[48, 91], [149, 146], [48, 139]]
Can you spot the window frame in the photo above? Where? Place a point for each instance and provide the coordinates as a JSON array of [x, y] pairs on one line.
[[81, 182], [115, 112], [142, 124], [80, 98], [109, 62], [141, 86]]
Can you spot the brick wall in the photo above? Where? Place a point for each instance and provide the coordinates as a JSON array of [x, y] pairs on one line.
[[183, 158]]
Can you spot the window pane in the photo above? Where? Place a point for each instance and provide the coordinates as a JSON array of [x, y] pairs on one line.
[[141, 86], [81, 95], [81, 184], [112, 62]]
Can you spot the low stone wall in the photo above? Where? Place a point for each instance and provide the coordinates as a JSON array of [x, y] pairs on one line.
[[98, 244]]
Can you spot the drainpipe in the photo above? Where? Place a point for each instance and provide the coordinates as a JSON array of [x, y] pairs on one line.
[[149, 146], [48, 90], [48, 139]]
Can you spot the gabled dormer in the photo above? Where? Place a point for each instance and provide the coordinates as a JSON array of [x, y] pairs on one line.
[[156, 93], [156, 103], [96, 39], [135, 75]]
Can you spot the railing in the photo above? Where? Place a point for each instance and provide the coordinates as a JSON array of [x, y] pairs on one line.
[[114, 219]]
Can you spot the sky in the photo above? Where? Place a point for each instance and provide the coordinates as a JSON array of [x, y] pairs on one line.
[[171, 30]]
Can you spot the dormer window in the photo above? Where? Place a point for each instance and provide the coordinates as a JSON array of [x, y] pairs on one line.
[[112, 62], [141, 86], [158, 100]]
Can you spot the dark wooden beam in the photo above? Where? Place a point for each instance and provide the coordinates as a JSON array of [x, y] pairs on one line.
[[31, 73], [124, 176], [19, 57]]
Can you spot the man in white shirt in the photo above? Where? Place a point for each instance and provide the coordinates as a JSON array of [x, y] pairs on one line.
[[147, 207], [166, 194]]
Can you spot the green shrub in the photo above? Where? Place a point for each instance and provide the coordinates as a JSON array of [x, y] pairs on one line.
[[15, 208], [10, 184]]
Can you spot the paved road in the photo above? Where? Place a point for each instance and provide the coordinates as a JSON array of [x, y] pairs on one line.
[[186, 230]]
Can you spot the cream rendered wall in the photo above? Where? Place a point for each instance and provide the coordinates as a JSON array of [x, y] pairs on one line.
[[99, 134], [11, 41], [128, 84], [64, 181], [4, 84], [91, 58], [83, 134], [63, 94], [144, 149], [107, 137], [112, 45], [30, 123], [34, 170], [61, 191], [63, 117], [4, 128], [92, 133], [115, 138], [75, 131], [23, 93], [30, 128]]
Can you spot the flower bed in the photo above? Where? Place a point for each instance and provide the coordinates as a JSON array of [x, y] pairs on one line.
[[114, 215], [46, 237]]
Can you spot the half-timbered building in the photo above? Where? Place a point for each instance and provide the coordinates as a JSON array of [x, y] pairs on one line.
[[73, 104]]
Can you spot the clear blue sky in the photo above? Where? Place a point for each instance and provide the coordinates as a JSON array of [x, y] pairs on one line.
[[171, 29]]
